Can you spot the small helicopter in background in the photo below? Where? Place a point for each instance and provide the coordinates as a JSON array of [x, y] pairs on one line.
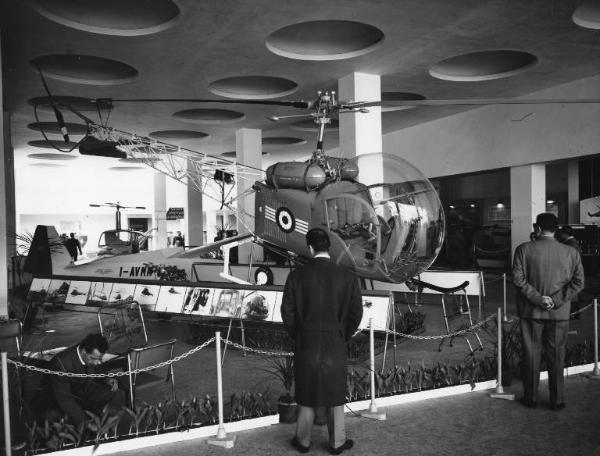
[[121, 241]]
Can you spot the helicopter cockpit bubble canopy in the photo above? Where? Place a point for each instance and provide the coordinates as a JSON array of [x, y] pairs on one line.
[[389, 231]]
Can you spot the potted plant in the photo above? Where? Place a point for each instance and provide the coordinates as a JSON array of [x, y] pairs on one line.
[[283, 369]]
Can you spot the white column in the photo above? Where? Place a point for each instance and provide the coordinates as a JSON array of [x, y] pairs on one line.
[[6, 217], [159, 237], [360, 133], [193, 217], [248, 149], [527, 200], [573, 191]]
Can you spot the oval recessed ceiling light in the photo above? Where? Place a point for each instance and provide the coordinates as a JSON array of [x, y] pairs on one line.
[[324, 40], [398, 96], [47, 165], [125, 168], [232, 154], [310, 125], [181, 135], [282, 141], [111, 17], [139, 160], [85, 69], [208, 115], [58, 144], [588, 16], [78, 103], [253, 87], [54, 128], [483, 65], [57, 157]]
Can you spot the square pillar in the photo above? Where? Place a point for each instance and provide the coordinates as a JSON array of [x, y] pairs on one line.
[[248, 150], [193, 220], [573, 191], [527, 200], [159, 237]]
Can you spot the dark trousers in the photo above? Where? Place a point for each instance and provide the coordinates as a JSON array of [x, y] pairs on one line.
[[548, 338]]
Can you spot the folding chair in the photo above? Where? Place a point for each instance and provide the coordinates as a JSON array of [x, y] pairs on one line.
[[152, 355], [9, 330]]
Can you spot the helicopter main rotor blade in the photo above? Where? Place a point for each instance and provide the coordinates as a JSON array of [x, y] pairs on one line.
[[468, 102], [294, 104]]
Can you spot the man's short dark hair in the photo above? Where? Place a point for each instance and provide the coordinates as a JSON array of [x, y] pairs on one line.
[[546, 221], [94, 341], [318, 239]]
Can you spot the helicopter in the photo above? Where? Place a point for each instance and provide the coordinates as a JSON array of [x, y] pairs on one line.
[[387, 232], [121, 241]]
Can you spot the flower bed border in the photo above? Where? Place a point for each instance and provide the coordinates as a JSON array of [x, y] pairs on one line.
[[264, 421]]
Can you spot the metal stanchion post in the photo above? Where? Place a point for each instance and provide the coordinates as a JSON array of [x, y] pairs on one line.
[[596, 372], [499, 393], [6, 405], [504, 297], [222, 439], [373, 412]]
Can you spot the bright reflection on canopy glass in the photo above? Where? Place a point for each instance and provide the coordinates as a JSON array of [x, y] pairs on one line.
[[388, 231]]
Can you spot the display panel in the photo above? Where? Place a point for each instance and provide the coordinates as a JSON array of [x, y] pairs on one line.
[[38, 289], [78, 292], [170, 299], [198, 301], [259, 305], [227, 303], [99, 293], [146, 296], [377, 308], [122, 292]]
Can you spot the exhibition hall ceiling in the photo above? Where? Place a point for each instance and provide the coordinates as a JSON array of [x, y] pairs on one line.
[[275, 50]]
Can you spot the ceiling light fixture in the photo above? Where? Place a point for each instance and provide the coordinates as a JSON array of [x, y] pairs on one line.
[[472, 205], [550, 201], [499, 204]]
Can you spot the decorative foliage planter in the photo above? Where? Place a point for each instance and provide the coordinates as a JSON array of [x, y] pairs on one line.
[[288, 412]]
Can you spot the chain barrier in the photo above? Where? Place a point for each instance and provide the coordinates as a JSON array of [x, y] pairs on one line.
[[256, 350], [444, 336], [583, 309], [113, 374], [177, 358]]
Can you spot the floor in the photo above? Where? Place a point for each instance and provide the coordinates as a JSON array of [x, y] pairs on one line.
[[471, 424]]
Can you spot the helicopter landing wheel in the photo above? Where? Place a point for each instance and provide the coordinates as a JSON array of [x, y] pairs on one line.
[[263, 276]]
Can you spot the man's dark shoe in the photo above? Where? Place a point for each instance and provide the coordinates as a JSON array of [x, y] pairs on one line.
[[559, 406], [346, 446], [301, 448], [528, 403]]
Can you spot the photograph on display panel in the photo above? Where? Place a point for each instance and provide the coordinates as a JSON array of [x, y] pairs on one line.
[[146, 296], [78, 292], [57, 291], [198, 301], [259, 304], [99, 293], [377, 308], [227, 303], [170, 299], [122, 292], [38, 289]]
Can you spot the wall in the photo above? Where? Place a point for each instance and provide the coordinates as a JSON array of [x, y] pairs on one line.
[[495, 136]]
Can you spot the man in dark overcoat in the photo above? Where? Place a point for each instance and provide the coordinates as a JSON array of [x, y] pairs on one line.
[[321, 309], [548, 275], [72, 396]]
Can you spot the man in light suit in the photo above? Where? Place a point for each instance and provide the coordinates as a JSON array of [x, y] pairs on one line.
[[548, 275], [321, 309]]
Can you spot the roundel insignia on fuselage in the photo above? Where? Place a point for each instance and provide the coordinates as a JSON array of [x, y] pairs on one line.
[[285, 219]]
